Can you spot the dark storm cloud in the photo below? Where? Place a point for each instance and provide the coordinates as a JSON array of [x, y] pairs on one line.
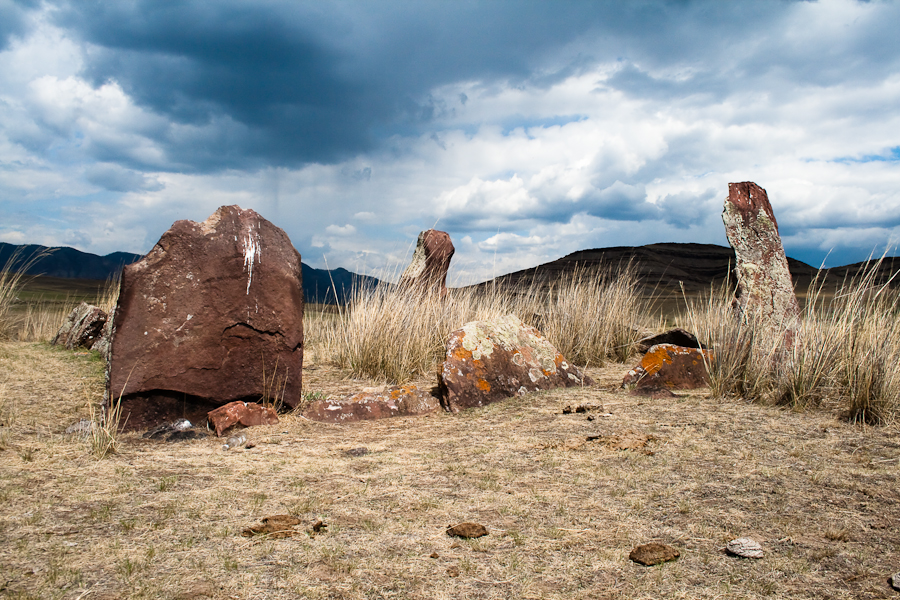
[[290, 83]]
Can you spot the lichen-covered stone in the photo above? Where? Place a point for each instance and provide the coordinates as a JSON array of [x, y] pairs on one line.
[[394, 401], [81, 328], [672, 367], [764, 292], [427, 271], [488, 361]]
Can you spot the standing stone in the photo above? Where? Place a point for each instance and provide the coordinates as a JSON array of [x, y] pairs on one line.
[[764, 288], [82, 328], [488, 361], [430, 262], [211, 315]]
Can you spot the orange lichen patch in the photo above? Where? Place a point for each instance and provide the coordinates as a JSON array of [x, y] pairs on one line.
[[483, 385], [460, 353]]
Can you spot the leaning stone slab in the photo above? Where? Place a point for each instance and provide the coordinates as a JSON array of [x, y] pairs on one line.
[[671, 367], [81, 328], [764, 288], [430, 262], [248, 414], [676, 336], [394, 401], [488, 361], [212, 314]]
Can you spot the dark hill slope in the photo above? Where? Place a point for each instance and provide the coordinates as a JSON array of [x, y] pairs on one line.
[[662, 267]]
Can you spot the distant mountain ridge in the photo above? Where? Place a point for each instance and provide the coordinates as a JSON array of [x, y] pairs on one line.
[[67, 262], [320, 286]]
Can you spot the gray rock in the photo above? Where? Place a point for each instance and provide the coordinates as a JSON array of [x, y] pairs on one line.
[[745, 548]]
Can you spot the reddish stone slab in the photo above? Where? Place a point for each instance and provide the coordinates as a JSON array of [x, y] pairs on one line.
[[672, 367], [488, 361], [765, 291], [248, 414], [209, 312], [430, 262], [82, 328], [395, 401]]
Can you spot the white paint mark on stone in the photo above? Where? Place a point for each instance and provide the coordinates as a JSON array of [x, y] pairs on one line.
[[252, 252]]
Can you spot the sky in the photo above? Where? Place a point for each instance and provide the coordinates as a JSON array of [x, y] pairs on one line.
[[527, 130]]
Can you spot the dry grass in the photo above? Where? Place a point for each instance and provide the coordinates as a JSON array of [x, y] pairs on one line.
[[161, 520], [846, 357], [396, 334], [11, 285]]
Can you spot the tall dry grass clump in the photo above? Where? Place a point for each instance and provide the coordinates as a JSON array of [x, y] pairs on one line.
[[591, 316], [395, 334], [846, 356], [11, 279]]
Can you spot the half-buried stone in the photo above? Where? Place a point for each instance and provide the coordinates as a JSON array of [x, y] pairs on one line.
[[212, 314], [488, 361]]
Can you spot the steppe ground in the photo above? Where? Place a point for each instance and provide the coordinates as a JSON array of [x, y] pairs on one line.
[[164, 520]]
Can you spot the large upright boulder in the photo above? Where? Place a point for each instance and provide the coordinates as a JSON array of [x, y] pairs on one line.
[[430, 262], [211, 315], [764, 288], [488, 361]]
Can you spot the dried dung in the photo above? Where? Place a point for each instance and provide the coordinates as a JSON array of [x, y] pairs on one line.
[[582, 408], [275, 527], [357, 452], [653, 553], [467, 530], [745, 548], [895, 581]]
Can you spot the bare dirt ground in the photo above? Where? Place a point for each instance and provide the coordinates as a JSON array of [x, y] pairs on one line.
[[164, 520]]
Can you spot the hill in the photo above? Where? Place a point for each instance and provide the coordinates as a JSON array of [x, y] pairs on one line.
[[662, 268]]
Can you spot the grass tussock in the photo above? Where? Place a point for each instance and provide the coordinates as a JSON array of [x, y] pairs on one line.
[[394, 334], [106, 424], [11, 279], [845, 356]]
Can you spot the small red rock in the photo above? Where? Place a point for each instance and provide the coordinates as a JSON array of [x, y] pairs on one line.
[[247, 414]]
